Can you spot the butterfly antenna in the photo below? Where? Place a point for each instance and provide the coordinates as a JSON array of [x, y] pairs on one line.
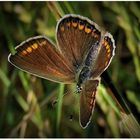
[[54, 9], [57, 99], [68, 92]]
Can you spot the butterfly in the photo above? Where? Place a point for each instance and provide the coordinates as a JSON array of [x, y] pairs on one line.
[[83, 52]]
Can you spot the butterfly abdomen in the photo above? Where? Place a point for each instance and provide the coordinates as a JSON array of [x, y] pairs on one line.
[[85, 72], [91, 56], [84, 75]]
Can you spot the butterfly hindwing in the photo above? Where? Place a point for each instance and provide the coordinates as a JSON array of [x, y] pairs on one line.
[[39, 56], [87, 101], [105, 55]]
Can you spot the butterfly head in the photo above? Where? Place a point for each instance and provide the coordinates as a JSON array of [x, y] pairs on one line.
[[78, 88]]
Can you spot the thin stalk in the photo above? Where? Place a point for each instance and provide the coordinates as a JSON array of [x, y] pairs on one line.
[[59, 108], [126, 114], [69, 8], [55, 9]]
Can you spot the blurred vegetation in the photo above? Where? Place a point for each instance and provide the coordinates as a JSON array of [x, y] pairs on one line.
[[34, 107]]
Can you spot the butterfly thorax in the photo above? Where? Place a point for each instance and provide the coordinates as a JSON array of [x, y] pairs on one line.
[[83, 76], [85, 71]]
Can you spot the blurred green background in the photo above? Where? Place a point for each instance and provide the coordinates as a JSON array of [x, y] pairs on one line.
[[34, 107]]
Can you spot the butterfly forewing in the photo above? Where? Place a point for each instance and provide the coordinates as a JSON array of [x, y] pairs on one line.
[[75, 35], [40, 57], [87, 101]]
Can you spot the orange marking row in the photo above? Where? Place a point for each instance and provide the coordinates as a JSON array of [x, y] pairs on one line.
[[92, 100], [80, 27], [29, 49], [106, 45]]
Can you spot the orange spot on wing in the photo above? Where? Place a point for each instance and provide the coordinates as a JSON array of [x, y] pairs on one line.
[[106, 63], [23, 52], [43, 43], [108, 55], [87, 30], [94, 34], [81, 26], [62, 28], [29, 49], [105, 43], [74, 24], [108, 51], [68, 24], [91, 102], [92, 95], [107, 47], [35, 46]]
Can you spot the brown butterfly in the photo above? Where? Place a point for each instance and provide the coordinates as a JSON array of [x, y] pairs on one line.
[[82, 54]]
